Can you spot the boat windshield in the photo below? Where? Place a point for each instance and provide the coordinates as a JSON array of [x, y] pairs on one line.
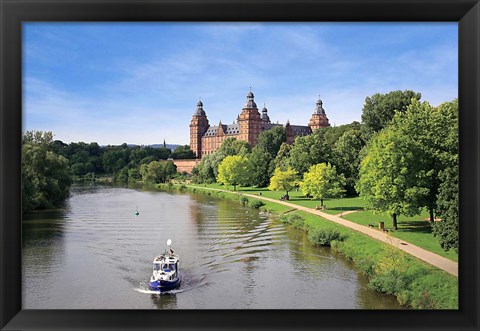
[[156, 266]]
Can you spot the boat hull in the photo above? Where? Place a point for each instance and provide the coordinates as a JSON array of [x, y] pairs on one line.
[[164, 285]]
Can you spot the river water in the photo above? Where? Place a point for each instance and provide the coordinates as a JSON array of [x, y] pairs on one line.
[[95, 253]]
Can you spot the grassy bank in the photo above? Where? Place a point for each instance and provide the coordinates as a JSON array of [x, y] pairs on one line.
[[414, 283]]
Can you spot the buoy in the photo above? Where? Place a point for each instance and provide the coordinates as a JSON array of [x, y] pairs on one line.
[[136, 211]]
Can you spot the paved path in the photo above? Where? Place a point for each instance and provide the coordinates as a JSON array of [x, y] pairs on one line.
[[434, 259], [348, 212]]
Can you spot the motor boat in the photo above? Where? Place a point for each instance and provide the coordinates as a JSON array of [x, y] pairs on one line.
[[165, 271]]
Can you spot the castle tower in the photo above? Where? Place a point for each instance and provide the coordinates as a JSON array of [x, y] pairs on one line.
[[250, 122], [198, 126], [319, 118], [265, 118]]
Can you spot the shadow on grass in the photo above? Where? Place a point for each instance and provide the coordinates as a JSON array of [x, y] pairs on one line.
[[345, 208], [414, 226]]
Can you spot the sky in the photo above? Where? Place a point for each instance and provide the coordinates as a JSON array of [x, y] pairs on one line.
[[139, 83]]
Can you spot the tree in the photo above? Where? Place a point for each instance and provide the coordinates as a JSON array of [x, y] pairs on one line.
[[157, 171], [447, 228], [260, 161], [433, 132], [388, 175], [447, 198], [283, 180], [322, 182], [346, 152], [115, 158], [45, 174], [182, 152], [379, 109], [271, 140], [233, 170], [309, 150], [283, 155]]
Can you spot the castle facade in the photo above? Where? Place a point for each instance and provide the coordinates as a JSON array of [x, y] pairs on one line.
[[205, 139]]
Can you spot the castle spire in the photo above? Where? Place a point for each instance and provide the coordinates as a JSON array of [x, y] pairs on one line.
[[199, 111], [250, 104], [319, 108]]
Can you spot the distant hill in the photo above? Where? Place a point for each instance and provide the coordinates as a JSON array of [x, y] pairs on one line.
[[172, 147], [169, 146]]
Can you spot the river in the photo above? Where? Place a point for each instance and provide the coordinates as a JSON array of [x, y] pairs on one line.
[[95, 253]]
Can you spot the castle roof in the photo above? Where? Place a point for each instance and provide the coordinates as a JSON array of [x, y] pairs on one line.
[[265, 117], [199, 111], [301, 130], [250, 104], [229, 129], [319, 108]]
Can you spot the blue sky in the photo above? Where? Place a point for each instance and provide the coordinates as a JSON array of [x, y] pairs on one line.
[[139, 82]]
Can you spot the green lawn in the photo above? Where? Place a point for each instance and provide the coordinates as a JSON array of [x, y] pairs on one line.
[[414, 230]]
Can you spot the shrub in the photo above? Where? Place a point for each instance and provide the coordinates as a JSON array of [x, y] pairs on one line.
[[291, 218], [257, 204], [244, 200], [323, 237]]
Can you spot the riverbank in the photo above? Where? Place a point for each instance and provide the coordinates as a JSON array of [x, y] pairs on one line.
[[413, 282]]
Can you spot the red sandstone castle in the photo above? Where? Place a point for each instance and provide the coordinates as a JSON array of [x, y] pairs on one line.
[[205, 139]]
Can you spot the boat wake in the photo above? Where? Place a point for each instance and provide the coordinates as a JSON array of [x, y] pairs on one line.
[[140, 290]]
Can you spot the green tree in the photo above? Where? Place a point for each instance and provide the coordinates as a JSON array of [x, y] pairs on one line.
[[433, 132], [45, 174], [346, 152], [208, 166], [282, 157], [233, 170], [271, 140], [379, 109], [322, 182], [283, 180], [183, 152], [447, 228], [309, 150], [115, 158], [260, 161], [388, 175], [157, 171]]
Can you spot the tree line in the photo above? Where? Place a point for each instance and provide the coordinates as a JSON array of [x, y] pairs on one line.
[[50, 166]]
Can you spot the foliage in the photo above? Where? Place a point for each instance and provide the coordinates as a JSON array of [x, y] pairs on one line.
[[323, 237], [294, 220], [234, 170], [322, 182], [256, 203], [447, 229], [401, 170], [282, 157], [260, 161], [45, 174], [309, 150], [283, 180], [379, 109], [346, 152], [157, 171], [207, 170], [271, 140], [388, 175], [183, 152]]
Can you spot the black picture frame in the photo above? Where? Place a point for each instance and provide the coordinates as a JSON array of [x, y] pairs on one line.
[[14, 12]]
